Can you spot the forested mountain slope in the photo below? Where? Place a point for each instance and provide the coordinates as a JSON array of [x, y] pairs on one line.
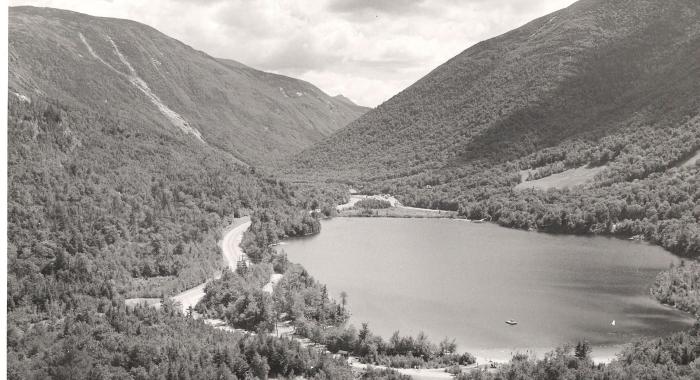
[[584, 72], [102, 207], [609, 85], [124, 67], [122, 173]]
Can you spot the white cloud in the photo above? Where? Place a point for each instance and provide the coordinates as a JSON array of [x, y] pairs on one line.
[[368, 50]]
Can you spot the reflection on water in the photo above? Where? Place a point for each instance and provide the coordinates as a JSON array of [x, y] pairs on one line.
[[463, 280]]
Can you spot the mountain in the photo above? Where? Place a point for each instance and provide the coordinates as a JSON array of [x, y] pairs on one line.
[[582, 121], [147, 77], [100, 209], [343, 99], [120, 187], [581, 73]]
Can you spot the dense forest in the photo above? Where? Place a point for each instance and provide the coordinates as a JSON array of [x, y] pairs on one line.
[[398, 351], [643, 189], [270, 225], [595, 85], [89, 228], [99, 212], [239, 299], [108, 201], [680, 287], [673, 357], [581, 73], [111, 342], [91, 200]]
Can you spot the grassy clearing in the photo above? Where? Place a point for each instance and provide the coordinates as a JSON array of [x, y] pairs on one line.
[[568, 178]]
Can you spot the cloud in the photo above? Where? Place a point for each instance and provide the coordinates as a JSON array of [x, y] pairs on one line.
[[368, 50], [205, 2], [383, 6]]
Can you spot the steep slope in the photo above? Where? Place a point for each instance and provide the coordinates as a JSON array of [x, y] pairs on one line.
[[584, 72], [117, 190], [101, 208], [129, 68], [604, 94]]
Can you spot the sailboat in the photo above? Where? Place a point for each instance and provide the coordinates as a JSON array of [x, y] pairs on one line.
[[613, 323]]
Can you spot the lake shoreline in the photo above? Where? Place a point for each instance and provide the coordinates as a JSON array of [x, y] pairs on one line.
[[398, 212], [606, 353], [396, 209]]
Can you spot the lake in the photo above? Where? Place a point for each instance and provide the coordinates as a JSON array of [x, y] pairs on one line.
[[452, 278]]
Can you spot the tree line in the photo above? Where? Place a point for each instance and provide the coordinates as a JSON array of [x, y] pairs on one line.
[[672, 357], [102, 208]]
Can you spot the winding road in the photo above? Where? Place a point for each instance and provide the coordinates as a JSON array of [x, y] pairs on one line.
[[233, 253], [231, 249]]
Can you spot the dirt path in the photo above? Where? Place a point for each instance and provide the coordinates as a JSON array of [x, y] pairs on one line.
[[416, 374]]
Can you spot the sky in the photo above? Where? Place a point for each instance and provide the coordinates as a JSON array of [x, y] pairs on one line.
[[367, 50]]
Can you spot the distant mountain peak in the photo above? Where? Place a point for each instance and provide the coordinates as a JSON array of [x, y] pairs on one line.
[[125, 68], [344, 99]]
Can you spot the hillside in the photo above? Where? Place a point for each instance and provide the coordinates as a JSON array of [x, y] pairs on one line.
[[103, 206], [583, 72], [122, 173], [611, 85], [127, 68]]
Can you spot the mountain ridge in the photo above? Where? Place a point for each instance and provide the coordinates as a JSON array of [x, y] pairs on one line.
[[605, 94], [102, 62], [585, 59]]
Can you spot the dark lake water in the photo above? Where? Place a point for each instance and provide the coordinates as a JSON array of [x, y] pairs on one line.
[[463, 280]]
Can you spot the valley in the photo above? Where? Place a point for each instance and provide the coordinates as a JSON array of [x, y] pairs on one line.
[[528, 209]]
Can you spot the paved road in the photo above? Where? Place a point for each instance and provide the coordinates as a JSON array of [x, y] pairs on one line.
[[232, 252]]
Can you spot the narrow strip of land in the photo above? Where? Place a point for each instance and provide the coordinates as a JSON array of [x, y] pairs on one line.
[[397, 210]]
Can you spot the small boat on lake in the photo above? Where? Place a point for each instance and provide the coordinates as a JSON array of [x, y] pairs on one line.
[[511, 322]]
